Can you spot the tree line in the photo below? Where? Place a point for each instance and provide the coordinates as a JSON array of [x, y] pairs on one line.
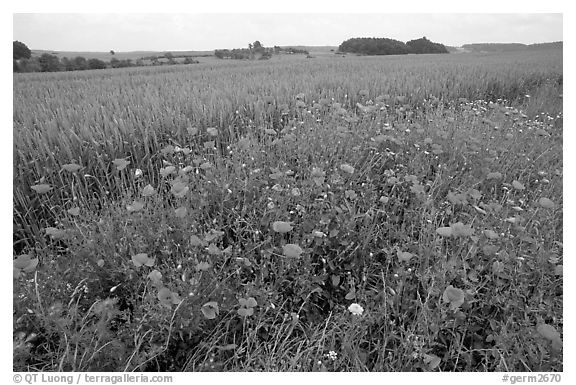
[[23, 61], [385, 46], [255, 51]]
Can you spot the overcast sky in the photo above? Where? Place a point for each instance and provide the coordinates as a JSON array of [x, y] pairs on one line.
[[181, 32]]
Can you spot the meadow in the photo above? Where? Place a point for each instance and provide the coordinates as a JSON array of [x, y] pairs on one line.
[[399, 213]]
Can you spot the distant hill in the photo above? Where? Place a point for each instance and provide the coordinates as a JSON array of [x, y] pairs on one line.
[[507, 47]]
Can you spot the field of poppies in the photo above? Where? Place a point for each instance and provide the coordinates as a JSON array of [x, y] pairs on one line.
[[328, 214]]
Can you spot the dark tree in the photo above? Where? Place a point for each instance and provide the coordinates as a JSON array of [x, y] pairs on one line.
[[80, 63], [189, 60], [374, 46], [67, 64], [96, 64], [424, 45], [20, 51], [257, 46], [29, 65], [112, 52], [170, 57], [49, 63]]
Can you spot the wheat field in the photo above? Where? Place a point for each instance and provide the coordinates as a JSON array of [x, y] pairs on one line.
[[399, 213]]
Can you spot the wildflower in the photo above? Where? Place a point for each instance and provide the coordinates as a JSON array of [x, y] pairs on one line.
[[148, 191], [347, 168], [213, 249], [356, 309], [291, 250], [167, 171], [210, 309], [282, 227], [247, 306], [74, 211], [55, 233], [494, 175], [142, 259], [25, 263], [203, 266], [71, 167], [546, 203], [517, 185], [404, 256], [137, 173], [550, 333], [332, 355], [156, 277], [490, 234], [181, 212], [135, 206], [41, 188], [120, 164], [179, 189], [454, 296]]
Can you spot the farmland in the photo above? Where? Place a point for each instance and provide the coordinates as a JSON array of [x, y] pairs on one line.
[[399, 213]]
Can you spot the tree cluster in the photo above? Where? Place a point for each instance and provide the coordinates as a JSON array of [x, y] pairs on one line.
[[289, 50], [243, 53], [255, 51], [24, 61], [385, 46], [50, 63]]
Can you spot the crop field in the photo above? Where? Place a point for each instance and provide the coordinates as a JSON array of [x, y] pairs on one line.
[[399, 213]]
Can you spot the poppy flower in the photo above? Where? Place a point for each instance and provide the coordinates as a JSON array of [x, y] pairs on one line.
[[282, 227], [546, 203], [453, 296], [210, 309], [148, 191], [120, 164], [142, 259], [71, 167], [291, 250], [347, 168], [74, 211], [41, 188]]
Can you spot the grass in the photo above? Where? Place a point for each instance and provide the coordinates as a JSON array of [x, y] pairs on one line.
[[357, 214]]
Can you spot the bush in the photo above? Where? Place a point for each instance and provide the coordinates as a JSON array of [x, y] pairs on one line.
[[96, 64], [20, 51], [424, 45]]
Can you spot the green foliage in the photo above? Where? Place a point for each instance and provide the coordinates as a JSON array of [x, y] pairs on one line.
[[423, 45], [96, 64], [49, 63], [20, 51], [384, 46], [254, 51], [374, 46]]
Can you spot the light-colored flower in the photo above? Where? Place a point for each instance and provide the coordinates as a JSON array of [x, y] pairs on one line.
[[356, 309]]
